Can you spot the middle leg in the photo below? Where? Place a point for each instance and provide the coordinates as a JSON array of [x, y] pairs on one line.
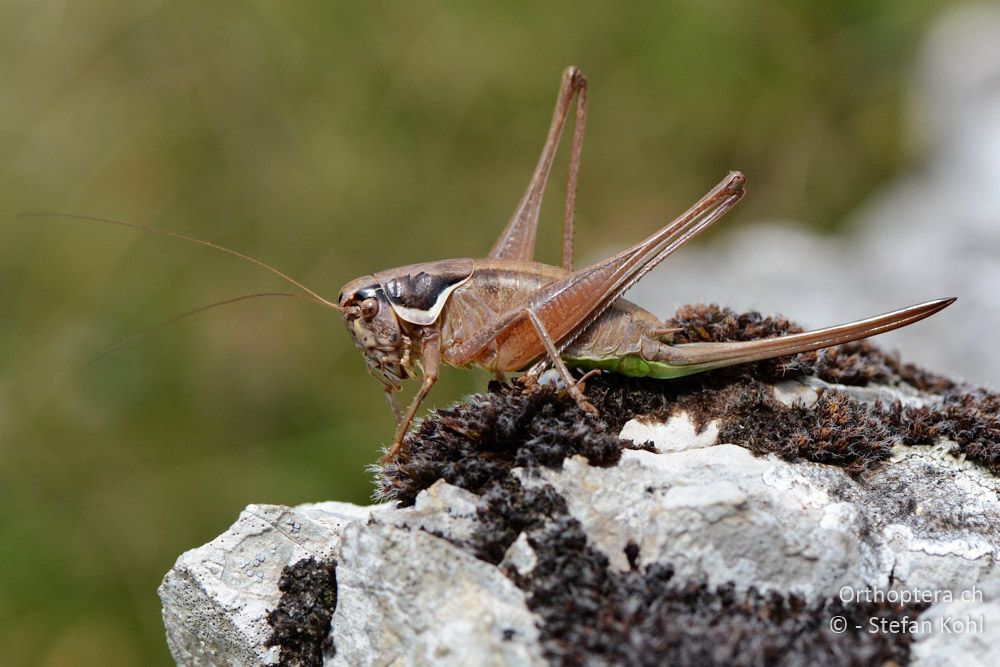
[[550, 347]]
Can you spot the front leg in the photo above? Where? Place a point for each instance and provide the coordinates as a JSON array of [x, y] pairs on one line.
[[430, 354]]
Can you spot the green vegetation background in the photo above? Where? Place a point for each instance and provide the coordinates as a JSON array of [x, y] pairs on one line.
[[332, 139]]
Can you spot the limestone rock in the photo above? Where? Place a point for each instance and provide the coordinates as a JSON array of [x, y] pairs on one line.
[[960, 632], [408, 597], [216, 597], [404, 590], [804, 528]]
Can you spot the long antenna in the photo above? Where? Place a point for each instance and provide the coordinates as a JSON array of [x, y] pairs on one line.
[[190, 239], [194, 311]]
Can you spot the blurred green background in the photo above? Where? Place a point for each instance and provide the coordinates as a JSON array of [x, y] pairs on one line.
[[332, 139]]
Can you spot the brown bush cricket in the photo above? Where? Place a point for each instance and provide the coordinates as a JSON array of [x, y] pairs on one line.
[[507, 313]]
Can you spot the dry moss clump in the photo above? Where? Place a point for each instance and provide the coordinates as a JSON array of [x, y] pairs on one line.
[[301, 622], [477, 442]]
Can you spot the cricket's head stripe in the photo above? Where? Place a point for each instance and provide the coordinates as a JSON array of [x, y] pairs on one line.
[[418, 293]]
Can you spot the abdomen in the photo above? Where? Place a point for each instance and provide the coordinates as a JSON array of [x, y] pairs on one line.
[[623, 340]]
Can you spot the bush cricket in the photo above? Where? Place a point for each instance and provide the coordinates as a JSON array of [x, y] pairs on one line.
[[507, 313]]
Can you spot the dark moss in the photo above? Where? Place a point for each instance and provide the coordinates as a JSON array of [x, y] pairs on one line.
[[836, 430], [709, 323], [507, 510], [971, 419], [861, 363], [477, 442], [301, 622]]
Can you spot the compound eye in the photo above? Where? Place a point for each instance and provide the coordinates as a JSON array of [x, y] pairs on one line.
[[369, 308]]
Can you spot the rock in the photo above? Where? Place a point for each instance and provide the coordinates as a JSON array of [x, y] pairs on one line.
[[592, 559], [960, 632], [678, 433], [520, 557], [216, 597], [403, 588], [805, 528], [409, 596]]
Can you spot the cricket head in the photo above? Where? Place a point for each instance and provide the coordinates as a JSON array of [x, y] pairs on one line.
[[387, 311], [372, 323]]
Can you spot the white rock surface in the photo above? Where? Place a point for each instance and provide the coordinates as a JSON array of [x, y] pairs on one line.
[[410, 598], [216, 597], [677, 434], [960, 633], [404, 594], [806, 528]]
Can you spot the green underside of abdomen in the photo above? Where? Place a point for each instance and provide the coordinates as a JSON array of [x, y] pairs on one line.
[[632, 366]]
